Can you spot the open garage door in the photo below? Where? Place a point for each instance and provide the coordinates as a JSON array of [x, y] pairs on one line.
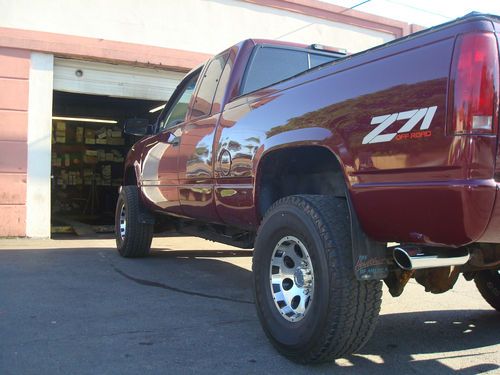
[[120, 81], [91, 102]]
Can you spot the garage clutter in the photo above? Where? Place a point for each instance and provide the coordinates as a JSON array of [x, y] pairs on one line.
[[87, 167]]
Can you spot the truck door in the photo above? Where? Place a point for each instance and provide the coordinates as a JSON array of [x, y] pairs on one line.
[[159, 177], [196, 156]]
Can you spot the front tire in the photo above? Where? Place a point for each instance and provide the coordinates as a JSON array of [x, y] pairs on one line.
[[303, 250], [488, 284], [133, 238]]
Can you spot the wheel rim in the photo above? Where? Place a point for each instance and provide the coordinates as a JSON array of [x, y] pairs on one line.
[[291, 278], [123, 221]]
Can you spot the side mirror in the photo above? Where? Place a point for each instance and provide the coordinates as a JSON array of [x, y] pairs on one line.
[[137, 126]]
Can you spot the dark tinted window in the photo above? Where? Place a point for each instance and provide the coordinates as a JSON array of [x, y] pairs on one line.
[[320, 59], [271, 65], [203, 102], [177, 113]]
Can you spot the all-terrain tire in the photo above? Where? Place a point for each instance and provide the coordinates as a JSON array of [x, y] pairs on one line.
[[343, 313], [488, 284], [133, 240]]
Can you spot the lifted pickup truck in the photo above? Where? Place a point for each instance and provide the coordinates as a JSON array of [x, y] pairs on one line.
[[340, 171]]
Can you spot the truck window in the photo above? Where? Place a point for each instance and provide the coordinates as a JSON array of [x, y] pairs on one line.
[[203, 102], [316, 60], [177, 113], [272, 64]]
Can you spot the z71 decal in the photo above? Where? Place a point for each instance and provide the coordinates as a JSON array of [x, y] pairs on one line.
[[405, 132]]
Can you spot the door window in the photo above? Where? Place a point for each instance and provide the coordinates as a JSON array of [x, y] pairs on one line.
[[203, 102], [178, 111]]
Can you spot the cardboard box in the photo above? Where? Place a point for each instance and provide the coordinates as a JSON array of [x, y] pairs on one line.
[[101, 155], [79, 135], [101, 133], [116, 141], [90, 159]]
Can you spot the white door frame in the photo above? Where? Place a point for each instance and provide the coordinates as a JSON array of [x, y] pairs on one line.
[[39, 145]]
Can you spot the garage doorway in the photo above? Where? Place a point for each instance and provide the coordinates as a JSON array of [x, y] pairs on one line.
[[91, 102], [88, 152]]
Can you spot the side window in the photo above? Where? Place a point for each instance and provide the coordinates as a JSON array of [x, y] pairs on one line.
[[203, 102], [320, 59], [177, 113], [270, 65]]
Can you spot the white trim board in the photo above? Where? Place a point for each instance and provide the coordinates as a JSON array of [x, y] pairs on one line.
[[39, 145]]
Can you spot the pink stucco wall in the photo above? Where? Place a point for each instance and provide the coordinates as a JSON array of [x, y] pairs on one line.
[[14, 84]]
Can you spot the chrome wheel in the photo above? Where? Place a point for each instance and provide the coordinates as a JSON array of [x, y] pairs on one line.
[[123, 221], [291, 278]]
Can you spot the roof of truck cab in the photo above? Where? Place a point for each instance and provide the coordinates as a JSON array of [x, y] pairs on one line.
[[279, 43]]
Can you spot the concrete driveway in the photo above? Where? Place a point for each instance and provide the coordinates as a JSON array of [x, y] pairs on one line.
[[75, 307]]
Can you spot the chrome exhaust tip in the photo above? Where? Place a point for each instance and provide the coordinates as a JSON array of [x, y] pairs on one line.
[[416, 259]]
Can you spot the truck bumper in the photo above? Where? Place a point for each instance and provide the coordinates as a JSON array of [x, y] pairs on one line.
[[492, 232]]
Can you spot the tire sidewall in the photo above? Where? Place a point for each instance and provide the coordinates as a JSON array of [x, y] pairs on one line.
[[289, 220], [120, 243], [488, 283]]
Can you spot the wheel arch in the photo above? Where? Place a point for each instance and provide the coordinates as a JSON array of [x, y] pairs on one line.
[[303, 164], [317, 170]]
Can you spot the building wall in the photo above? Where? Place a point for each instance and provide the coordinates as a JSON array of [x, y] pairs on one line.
[[197, 25], [14, 87]]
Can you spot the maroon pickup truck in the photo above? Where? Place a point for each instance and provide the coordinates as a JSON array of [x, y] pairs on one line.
[[339, 170]]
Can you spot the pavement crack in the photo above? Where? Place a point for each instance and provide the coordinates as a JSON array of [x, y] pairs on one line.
[[156, 284]]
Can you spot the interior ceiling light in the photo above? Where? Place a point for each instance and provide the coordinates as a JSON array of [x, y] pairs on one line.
[[156, 109], [83, 119]]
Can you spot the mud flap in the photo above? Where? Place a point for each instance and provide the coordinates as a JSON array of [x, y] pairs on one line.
[[369, 257]]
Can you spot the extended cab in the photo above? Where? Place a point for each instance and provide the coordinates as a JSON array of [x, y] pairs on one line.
[[339, 170]]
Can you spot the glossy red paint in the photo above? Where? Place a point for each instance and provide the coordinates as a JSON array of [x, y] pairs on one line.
[[422, 186]]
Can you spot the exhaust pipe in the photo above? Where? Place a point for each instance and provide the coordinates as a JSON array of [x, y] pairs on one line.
[[416, 259]]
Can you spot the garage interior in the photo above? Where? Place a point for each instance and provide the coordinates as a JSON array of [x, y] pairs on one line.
[[87, 153], [87, 158]]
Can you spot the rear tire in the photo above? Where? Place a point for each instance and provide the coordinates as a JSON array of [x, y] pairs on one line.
[[342, 312], [488, 284], [133, 238]]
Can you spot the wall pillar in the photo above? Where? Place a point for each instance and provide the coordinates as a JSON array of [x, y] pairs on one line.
[[39, 145]]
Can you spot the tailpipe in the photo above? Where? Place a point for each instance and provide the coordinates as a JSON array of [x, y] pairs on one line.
[[416, 259]]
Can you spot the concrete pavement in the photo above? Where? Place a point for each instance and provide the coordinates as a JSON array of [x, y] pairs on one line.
[[75, 307]]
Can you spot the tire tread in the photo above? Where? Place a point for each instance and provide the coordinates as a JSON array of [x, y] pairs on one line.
[[138, 237]]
